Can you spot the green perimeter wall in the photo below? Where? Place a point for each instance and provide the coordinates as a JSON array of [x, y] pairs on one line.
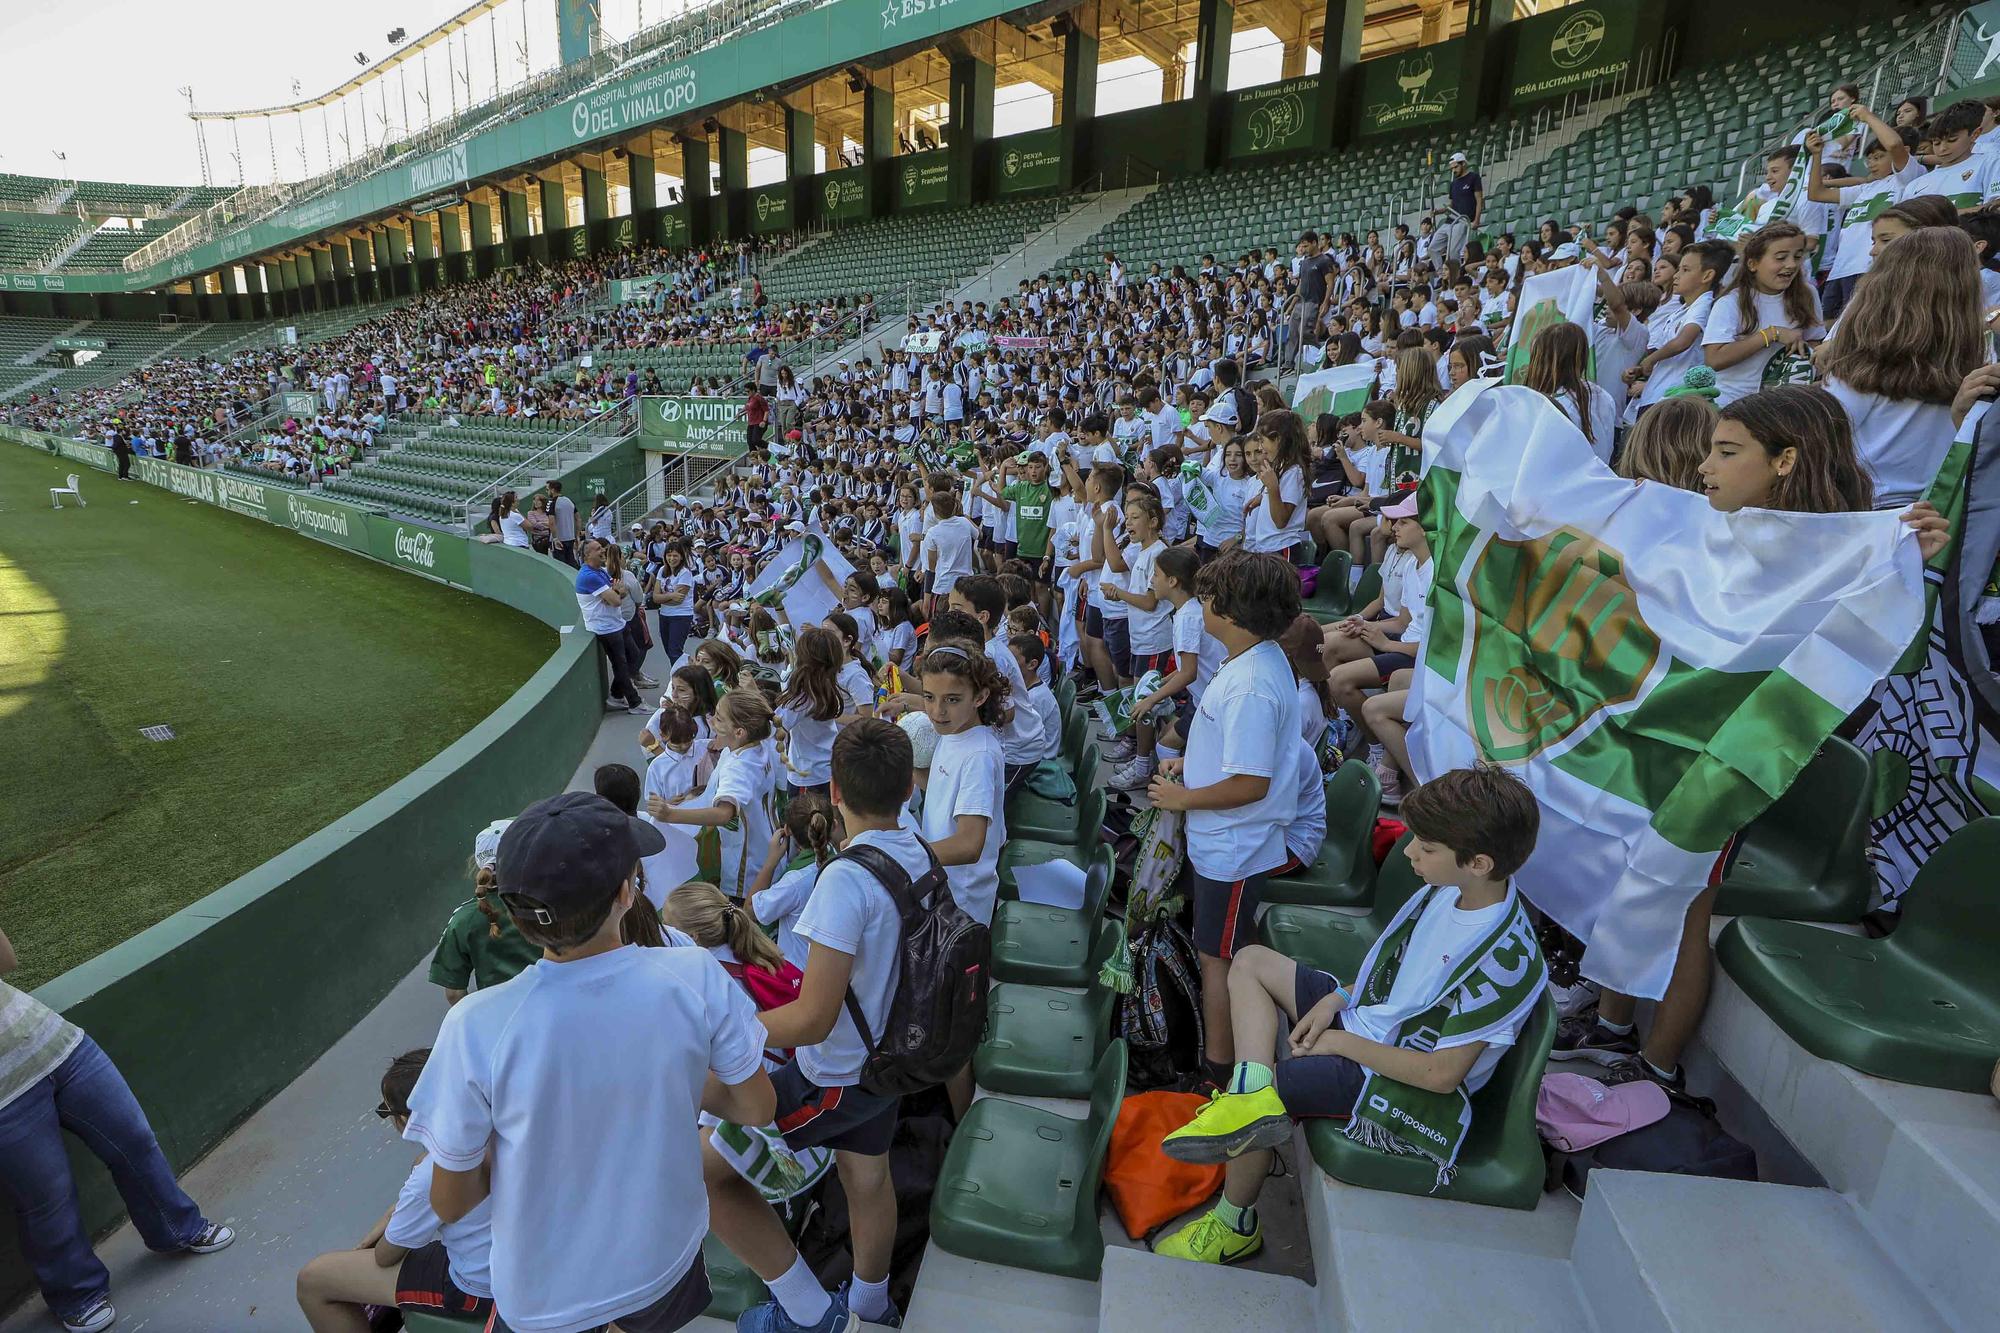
[[214, 1010]]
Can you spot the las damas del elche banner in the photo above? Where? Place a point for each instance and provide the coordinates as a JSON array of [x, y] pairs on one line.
[[1273, 117], [824, 38], [1414, 88], [686, 424], [1574, 47], [423, 550]]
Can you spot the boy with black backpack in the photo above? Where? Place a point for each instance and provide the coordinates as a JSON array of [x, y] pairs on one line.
[[858, 924]]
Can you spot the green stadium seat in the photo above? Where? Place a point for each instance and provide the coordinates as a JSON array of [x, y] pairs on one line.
[[1337, 941], [1343, 874], [1044, 1042], [1027, 852], [1806, 858], [732, 1285], [1332, 598], [425, 1321], [1500, 1163], [1040, 819], [1041, 945], [1019, 1183], [1076, 732], [1921, 1006]]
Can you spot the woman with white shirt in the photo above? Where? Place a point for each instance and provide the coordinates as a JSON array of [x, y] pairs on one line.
[[513, 524], [1909, 339]]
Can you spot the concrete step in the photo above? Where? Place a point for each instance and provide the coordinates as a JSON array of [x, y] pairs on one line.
[[1920, 1166], [957, 1295], [1662, 1253], [1141, 1292], [1396, 1261]]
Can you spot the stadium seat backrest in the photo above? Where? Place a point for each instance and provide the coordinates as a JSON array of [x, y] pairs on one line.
[[1948, 917], [1396, 882]]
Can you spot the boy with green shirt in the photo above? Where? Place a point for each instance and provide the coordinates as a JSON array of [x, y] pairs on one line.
[[1399, 1049], [479, 943], [1028, 500]]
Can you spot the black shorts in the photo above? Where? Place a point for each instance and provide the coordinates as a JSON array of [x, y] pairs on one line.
[[1317, 1085], [1160, 662], [424, 1283], [1034, 563], [1388, 664], [683, 1303], [1093, 621], [1010, 550], [1225, 915], [843, 1119], [1118, 642]]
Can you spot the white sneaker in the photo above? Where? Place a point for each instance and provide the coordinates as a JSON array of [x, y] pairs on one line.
[[101, 1315], [1118, 751], [1132, 775], [1392, 783], [646, 682]]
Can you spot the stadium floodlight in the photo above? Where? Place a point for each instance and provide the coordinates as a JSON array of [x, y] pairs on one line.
[[396, 35]]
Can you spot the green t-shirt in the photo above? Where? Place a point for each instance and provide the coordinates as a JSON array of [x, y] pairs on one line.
[[468, 950], [1031, 517]]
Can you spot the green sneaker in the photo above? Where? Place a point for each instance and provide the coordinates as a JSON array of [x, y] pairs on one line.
[[1210, 1240], [1232, 1124]]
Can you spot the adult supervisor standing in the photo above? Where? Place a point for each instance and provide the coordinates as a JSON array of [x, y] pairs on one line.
[[602, 603], [1315, 264], [53, 1077], [1468, 205], [121, 449]]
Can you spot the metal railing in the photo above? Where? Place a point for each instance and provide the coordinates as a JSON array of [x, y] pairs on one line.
[[550, 458]]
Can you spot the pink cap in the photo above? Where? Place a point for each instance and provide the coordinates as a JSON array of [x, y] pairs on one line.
[[1403, 508], [1576, 1113]]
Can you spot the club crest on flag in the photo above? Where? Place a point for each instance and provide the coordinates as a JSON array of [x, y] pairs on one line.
[[1572, 642]]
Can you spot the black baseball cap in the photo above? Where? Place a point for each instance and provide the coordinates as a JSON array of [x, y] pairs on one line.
[[569, 853]]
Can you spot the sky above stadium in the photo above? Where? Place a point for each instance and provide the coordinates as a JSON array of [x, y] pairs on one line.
[[91, 88]]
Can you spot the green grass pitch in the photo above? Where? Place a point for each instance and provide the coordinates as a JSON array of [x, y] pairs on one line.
[[299, 679]]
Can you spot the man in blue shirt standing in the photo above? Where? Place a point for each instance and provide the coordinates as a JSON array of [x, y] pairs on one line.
[[1468, 204], [600, 599]]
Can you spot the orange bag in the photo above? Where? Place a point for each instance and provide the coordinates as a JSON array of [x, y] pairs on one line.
[[1147, 1187]]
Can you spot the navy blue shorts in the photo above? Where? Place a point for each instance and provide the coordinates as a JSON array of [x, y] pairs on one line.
[[1388, 664], [1093, 621], [843, 1119], [1118, 642], [424, 1283], [1316, 1085], [1225, 915], [683, 1303]]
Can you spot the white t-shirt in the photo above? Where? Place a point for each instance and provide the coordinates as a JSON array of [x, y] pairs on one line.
[[582, 1235], [1043, 700], [1192, 640], [514, 529], [910, 536], [1021, 739], [468, 1242], [1968, 184], [903, 636], [1251, 701], [1260, 533], [849, 910], [1306, 829], [1416, 599], [1901, 441], [1227, 496], [680, 578], [1616, 351], [781, 904], [809, 745], [952, 542], [969, 777], [747, 778], [1725, 326], [1152, 631], [1663, 329], [1860, 205], [1603, 418], [1443, 933]]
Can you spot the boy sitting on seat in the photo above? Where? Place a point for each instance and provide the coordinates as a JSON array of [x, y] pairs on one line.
[[1400, 1049]]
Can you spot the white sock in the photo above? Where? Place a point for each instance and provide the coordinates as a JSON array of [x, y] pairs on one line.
[[803, 1299], [1354, 575], [869, 1300], [1167, 752]]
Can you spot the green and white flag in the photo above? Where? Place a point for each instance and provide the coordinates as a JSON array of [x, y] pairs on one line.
[[1568, 294], [1786, 200], [1657, 671], [1341, 390]]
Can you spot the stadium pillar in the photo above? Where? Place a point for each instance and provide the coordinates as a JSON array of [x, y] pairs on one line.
[[596, 207], [1339, 73], [452, 243], [1212, 27], [1483, 83], [479, 215], [514, 221], [366, 284], [694, 187], [801, 133], [276, 293], [971, 125], [1078, 106], [423, 244], [733, 152], [342, 264], [390, 276], [643, 184], [256, 300], [878, 143]]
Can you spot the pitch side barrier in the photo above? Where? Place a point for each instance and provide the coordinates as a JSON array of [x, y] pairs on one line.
[[215, 1009]]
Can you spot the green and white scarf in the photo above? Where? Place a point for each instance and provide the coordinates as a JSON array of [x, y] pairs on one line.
[[1490, 989]]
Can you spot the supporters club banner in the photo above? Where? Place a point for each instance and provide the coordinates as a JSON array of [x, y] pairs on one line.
[[1024, 162], [771, 208], [1568, 294], [843, 195], [922, 179], [1340, 390], [1274, 117], [1418, 87], [1577, 46], [1656, 671]]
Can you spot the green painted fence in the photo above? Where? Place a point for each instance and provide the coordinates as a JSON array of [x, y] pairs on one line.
[[217, 1008]]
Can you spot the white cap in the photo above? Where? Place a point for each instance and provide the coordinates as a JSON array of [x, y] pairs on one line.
[[795, 526], [486, 847], [1456, 158], [923, 737]]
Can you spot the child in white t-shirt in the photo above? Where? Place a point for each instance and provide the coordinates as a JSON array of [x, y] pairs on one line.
[[1771, 311], [741, 794], [1149, 624], [1032, 659], [1234, 783], [964, 817], [798, 852], [582, 1236]]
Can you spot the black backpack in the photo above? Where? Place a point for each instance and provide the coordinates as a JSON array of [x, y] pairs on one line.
[[938, 1009], [1688, 1141]]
